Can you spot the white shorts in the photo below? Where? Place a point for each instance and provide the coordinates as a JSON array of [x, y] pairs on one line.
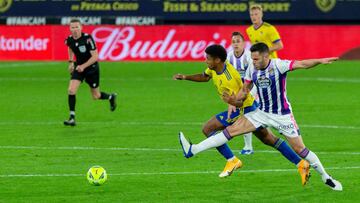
[[285, 124]]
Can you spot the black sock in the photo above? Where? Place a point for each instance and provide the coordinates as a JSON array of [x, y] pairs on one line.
[[72, 101], [104, 95]]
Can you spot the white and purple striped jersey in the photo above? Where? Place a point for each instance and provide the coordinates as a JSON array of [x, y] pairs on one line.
[[240, 63], [271, 85]]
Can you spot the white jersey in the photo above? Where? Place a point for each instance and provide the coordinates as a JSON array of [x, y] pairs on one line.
[[240, 63], [271, 85]]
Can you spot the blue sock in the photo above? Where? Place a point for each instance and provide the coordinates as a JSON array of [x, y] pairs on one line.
[[224, 149], [286, 151]]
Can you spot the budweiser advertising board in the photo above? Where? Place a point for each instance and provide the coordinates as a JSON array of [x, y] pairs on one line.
[[172, 43]]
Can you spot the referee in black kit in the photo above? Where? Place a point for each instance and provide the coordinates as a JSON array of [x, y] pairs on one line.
[[86, 67]]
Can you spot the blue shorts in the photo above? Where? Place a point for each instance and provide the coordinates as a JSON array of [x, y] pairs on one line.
[[223, 118]]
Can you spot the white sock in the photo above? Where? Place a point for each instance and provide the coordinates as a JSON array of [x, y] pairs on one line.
[[72, 113], [248, 141], [231, 159], [316, 164], [210, 142]]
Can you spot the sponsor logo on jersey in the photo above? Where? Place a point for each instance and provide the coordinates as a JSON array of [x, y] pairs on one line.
[[263, 82]]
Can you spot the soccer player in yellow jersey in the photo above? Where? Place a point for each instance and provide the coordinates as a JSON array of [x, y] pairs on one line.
[[227, 80], [261, 31]]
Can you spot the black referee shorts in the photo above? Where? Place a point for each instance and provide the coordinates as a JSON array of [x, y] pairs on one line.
[[91, 75]]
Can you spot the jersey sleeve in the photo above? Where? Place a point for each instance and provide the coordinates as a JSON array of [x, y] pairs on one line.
[[67, 41], [91, 43], [248, 73], [284, 65], [228, 56], [208, 72], [248, 32], [247, 60], [274, 34]]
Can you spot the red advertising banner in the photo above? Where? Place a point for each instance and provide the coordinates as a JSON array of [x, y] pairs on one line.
[[172, 43], [26, 43]]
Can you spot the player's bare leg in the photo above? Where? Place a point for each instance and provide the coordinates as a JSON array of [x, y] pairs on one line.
[[96, 94], [298, 145], [210, 128], [72, 90], [241, 126]]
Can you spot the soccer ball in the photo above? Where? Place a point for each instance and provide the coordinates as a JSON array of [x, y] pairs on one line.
[[96, 175]]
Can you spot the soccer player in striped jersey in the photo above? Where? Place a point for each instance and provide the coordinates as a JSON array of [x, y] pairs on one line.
[[269, 77], [240, 58], [261, 31], [227, 80]]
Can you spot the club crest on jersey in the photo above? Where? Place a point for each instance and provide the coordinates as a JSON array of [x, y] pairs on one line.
[[263, 82], [82, 49], [271, 71]]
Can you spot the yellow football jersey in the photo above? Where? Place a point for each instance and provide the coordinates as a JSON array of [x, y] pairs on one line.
[[228, 81], [266, 33]]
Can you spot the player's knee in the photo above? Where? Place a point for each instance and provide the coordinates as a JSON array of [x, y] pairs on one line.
[[298, 149], [265, 137], [206, 130], [268, 140], [71, 91]]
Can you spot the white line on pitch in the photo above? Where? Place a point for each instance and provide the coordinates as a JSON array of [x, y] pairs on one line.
[[155, 123], [171, 173], [141, 149], [334, 80], [13, 65]]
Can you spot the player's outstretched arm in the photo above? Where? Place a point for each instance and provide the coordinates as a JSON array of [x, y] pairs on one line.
[[276, 46], [245, 90], [195, 78], [310, 63]]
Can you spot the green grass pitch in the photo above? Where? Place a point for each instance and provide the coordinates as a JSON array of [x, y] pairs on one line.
[[44, 161]]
